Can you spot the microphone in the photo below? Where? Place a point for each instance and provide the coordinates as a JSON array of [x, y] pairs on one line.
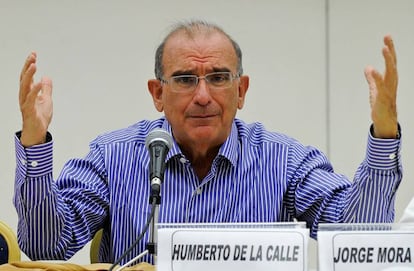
[[158, 143]]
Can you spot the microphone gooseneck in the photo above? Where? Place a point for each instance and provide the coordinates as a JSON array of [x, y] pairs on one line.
[[126, 253]]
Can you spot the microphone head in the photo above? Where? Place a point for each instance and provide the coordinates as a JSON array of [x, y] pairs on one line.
[[159, 134]]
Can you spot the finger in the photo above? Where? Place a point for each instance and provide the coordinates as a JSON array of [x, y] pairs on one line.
[[32, 96], [382, 90], [391, 73], [371, 84], [29, 60], [40, 91], [388, 41], [369, 77], [379, 82], [47, 86], [26, 82], [389, 59]]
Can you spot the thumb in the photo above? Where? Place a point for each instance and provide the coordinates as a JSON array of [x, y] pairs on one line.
[[368, 76], [47, 86], [371, 85]]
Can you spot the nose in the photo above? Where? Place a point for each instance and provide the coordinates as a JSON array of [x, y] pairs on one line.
[[202, 93]]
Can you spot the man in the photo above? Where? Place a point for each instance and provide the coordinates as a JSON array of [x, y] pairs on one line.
[[219, 169]]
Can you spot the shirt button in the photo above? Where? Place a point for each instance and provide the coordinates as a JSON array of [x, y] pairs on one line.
[[34, 163], [183, 160], [392, 156], [23, 161], [199, 190]]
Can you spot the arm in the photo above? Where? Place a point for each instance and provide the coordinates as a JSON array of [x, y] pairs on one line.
[[325, 197], [373, 195], [319, 195], [55, 219]]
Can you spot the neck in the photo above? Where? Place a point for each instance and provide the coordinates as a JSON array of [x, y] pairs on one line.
[[201, 161]]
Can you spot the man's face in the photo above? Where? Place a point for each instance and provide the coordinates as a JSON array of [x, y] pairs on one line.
[[204, 116]]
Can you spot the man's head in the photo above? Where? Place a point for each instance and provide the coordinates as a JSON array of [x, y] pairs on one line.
[[194, 28], [200, 110]]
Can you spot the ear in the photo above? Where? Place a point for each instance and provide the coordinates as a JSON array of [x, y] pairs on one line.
[[155, 89], [243, 87]]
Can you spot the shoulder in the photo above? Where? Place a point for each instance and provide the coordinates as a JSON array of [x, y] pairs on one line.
[[135, 133], [255, 133], [274, 146]]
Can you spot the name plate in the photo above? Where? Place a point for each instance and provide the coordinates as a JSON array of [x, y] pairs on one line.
[[232, 247], [365, 247]]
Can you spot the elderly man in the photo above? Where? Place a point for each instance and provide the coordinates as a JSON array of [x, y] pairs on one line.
[[219, 168]]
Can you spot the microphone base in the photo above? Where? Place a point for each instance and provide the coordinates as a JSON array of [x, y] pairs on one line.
[[152, 248]]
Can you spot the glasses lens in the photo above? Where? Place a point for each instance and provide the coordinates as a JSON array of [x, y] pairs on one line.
[[219, 79], [184, 82]]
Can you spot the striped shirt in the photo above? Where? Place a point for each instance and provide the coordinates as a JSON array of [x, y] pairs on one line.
[[257, 176]]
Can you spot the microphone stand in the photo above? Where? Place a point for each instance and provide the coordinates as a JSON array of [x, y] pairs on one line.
[[151, 247], [155, 198]]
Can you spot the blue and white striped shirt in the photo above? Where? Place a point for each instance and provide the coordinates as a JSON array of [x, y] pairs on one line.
[[258, 176]]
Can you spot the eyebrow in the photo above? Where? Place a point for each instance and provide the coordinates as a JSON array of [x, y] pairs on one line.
[[191, 72]]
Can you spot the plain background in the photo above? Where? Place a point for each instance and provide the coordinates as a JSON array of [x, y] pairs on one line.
[[305, 59]]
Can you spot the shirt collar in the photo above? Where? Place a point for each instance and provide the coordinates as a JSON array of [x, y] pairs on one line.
[[229, 149]]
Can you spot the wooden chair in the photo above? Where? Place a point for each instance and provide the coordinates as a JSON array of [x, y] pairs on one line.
[[94, 249], [9, 248]]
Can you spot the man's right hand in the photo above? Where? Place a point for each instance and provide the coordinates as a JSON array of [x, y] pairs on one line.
[[35, 99]]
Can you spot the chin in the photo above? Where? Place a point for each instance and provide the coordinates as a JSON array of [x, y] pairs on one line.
[[211, 134], [203, 132]]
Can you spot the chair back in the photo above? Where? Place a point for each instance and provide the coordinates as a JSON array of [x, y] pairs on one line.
[[94, 249], [9, 248]]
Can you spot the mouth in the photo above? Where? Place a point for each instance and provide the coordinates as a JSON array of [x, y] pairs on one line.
[[203, 116], [203, 120]]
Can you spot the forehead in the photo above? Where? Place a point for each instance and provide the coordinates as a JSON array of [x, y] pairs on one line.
[[206, 49]]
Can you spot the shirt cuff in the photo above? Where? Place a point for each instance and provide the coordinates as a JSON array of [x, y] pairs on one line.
[[34, 161], [384, 154]]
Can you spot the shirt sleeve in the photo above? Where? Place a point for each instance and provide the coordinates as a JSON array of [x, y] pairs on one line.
[[371, 197], [320, 195], [51, 225]]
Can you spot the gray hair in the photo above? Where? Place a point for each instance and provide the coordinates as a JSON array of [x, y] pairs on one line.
[[192, 28]]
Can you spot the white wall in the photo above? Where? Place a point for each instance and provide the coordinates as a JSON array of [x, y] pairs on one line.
[[305, 81], [356, 31]]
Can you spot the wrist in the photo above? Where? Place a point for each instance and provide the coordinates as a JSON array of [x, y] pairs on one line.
[[29, 140], [392, 132]]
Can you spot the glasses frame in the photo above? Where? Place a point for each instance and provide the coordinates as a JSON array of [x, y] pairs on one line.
[[198, 79]]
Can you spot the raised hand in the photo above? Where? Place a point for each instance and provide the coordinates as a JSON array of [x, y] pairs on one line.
[[383, 93], [35, 99]]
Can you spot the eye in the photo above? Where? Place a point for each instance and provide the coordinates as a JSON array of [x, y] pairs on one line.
[[185, 80], [219, 78]]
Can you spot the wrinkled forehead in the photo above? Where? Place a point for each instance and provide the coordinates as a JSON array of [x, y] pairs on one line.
[[207, 44]]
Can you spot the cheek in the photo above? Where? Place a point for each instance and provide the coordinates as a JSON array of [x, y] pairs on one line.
[[174, 104], [231, 102]]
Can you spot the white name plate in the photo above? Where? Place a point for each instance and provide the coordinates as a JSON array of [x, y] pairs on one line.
[[366, 247], [219, 247]]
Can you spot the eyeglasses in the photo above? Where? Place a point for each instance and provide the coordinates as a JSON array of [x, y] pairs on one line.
[[188, 83]]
